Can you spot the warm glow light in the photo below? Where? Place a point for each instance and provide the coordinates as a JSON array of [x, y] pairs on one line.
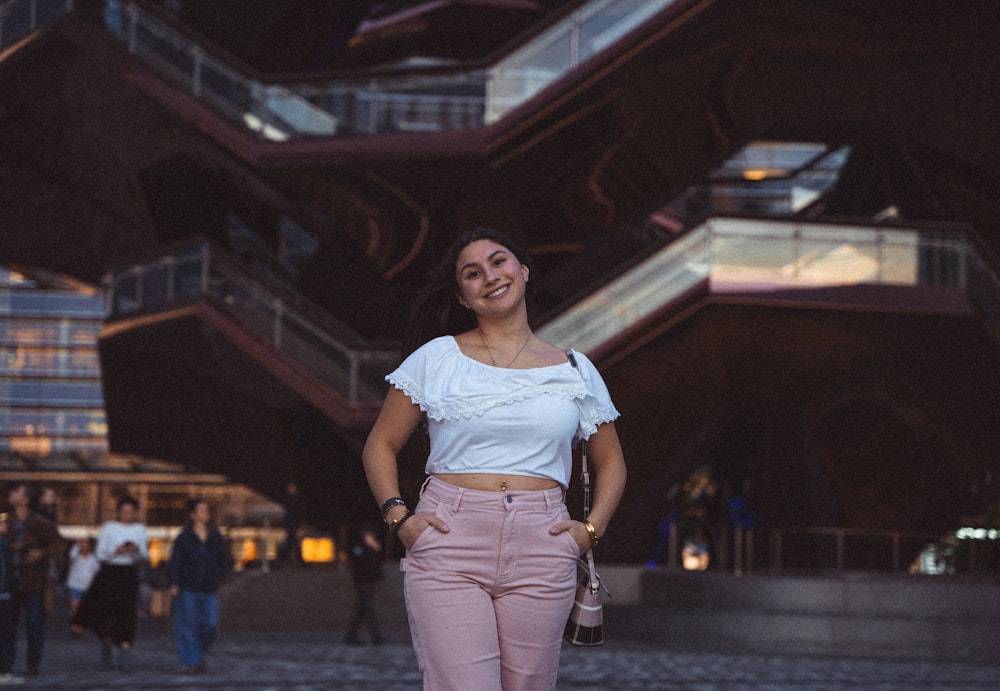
[[157, 552], [248, 551], [317, 550], [31, 446], [694, 558]]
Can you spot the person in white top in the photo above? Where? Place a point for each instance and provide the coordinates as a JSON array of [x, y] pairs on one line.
[[83, 566], [491, 550], [108, 607]]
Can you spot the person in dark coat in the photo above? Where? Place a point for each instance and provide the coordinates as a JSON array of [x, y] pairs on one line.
[[34, 542], [295, 514], [8, 627], [199, 563], [366, 572]]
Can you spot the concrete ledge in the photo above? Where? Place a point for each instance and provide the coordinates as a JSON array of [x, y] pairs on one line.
[[862, 615], [881, 616]]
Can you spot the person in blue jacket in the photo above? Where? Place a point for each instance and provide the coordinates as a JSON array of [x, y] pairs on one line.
[[199, 563]]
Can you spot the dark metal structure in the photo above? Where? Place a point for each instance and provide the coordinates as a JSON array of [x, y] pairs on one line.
[[870, 417]]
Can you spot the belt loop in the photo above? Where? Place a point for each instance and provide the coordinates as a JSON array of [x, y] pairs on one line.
[[457, 499], [551, 503]]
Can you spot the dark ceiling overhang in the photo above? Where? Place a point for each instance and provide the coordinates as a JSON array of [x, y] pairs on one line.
[[867, 417]]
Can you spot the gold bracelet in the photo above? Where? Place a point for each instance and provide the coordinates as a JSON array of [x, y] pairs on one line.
[[592, 530]]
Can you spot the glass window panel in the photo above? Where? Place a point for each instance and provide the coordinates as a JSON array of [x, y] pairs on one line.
[[37, 393], [69, 422], [68, 363], [40, 332]]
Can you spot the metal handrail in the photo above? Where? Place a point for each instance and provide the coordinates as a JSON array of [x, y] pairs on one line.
[[330, 350], [410, 100], [841, 536]]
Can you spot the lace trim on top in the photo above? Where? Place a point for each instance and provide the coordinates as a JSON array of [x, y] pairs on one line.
[[455, 386]]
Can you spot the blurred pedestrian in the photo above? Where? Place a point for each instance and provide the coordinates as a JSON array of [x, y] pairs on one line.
[[83, 566], [295, 514], [366, 572], [34, 542], [199, 563], [8, 624], [109, 607], [48, 506]]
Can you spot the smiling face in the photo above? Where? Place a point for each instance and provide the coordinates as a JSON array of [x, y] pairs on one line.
[[490, 278]]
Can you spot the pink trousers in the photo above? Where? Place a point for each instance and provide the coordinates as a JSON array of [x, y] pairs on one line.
[[488, 600]]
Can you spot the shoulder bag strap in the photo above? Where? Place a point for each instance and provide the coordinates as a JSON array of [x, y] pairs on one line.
[[595, 582]]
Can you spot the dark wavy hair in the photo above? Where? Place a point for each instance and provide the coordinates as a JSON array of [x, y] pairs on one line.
[[129, 500], [436, 310], [190, 507]]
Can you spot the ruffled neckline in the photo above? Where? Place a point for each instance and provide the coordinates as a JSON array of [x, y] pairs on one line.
[[483, 387]]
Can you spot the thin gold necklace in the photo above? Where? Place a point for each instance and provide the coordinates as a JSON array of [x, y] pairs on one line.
[[493, 359]]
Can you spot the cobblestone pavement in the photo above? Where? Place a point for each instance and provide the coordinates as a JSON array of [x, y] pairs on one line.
[[320, 661], [284, 630]]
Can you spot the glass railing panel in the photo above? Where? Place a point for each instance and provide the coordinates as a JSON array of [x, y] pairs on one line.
[[168, 51], [125, 297], [802, 254], [188, 276], [157, 283], [601, 24], [983, 285], [897, 253], [740, 250], [634, 296], [409, 103], [47, 11], [518, 77], [829, 257], [19, 18], [224, 88], [761, 255]]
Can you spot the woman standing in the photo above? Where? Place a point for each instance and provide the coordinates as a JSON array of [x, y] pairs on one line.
[[108, 607], [198, 565], [491, 550]]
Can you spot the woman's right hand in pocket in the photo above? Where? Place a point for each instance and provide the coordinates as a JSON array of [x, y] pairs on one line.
[[415, 526]]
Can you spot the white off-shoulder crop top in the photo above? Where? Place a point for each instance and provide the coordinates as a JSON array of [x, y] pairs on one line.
[[484, 419]]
